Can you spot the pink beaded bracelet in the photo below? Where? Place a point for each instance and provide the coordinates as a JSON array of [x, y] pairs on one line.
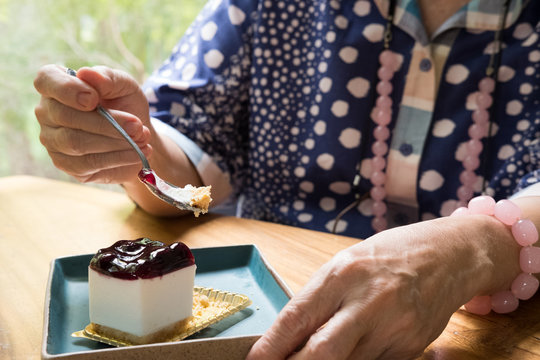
[[525, 234]]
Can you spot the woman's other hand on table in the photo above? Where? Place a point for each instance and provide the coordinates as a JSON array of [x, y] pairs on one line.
[[390, 296]]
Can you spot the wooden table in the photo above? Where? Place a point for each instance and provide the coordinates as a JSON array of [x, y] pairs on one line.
[[43, 219]]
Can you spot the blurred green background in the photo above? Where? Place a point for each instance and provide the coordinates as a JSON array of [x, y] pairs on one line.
[[133, 35]]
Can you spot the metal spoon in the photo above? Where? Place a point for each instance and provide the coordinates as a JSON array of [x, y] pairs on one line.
[[174, 195]]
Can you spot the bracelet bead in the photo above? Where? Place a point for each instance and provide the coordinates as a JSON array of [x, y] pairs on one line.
[[525, 233], [524, 286]]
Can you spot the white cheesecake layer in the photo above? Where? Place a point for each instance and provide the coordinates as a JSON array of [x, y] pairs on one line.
[[143, 306]]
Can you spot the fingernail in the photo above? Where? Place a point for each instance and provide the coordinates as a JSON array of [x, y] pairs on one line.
[[84, 99]]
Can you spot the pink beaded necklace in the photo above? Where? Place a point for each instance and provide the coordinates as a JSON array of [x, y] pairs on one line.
[[481, 126], [382, 116]]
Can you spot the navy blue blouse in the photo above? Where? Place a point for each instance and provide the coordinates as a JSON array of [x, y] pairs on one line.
[[271, 99]]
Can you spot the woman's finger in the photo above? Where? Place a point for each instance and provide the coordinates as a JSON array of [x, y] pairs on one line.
[[109, 83], [77, 142], [85, 165], [395, 335], [117, 89], [295, 322], [52, 81], [116, 175], [338, 337], [55, 114], [384, 347], [302, 316]]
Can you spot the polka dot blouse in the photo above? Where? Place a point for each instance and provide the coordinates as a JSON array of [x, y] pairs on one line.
[[271, 101]]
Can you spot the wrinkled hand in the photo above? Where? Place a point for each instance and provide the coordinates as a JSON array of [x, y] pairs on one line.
[[385, 298], [79, 140]]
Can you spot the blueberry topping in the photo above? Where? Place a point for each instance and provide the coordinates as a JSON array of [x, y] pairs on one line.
[[141, 259]]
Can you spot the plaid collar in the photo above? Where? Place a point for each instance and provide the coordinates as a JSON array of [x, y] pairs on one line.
[[477, 15]]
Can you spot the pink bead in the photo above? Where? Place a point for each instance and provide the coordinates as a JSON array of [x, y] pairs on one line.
[[474, 147], [464, 193], [379, 224], [381, 132], [486, 85], [471, 162], [483, 100], [378, 178], [524, 286], [480, 116], [379, 148], [382, 116], [378, 163], [385, 73], [529, 259], [525, 232], [478, 131], [468, 178], [379, 208], [507, 212], [384, 101], [378, 193], [504, 302], [388, 59], [384, 88], [482, 205], [460, 211], [479, 305]]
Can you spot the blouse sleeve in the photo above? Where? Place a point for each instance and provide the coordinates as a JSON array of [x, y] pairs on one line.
[[199, 96]]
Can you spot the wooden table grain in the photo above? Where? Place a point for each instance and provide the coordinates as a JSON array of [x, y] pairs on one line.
[[42, 219]]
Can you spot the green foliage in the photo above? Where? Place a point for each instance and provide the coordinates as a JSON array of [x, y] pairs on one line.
[[133, 35]]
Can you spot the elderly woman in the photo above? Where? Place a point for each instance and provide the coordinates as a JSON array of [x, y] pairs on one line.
[[370, 118]]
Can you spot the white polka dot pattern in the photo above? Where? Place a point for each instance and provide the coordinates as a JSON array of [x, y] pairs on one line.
[[457, 74], [279, 95]]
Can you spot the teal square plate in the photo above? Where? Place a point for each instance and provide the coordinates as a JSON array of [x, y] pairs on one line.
[[239, 269]]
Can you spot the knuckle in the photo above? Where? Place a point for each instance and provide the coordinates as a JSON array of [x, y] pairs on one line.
[[73, 142], [344, 267], [44, 139], [409, 319], [71, 165], [60, 163], [53, 108], [294, 319], [322, 348], [365, 323], [42, 80], [39, 112], [93, 161], [102, 69], [62, 114], [40, 77], [65, 141], [120, 80], [42, 110]]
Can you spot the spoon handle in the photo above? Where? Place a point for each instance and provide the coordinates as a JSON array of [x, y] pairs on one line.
[[101, 110]]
